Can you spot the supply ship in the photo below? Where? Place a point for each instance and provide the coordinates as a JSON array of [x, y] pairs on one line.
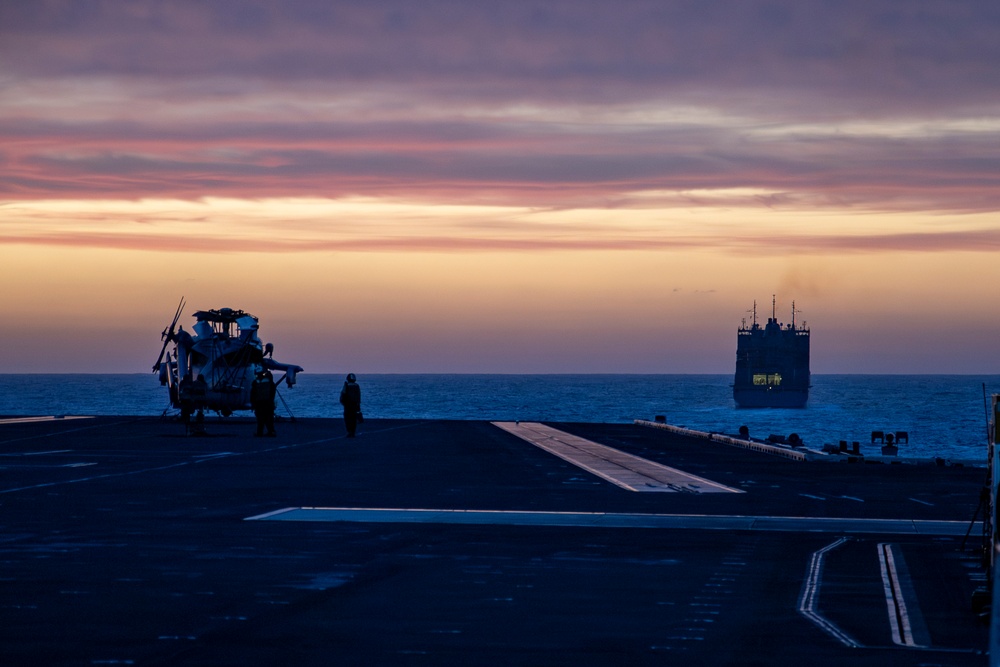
[[772, 363]]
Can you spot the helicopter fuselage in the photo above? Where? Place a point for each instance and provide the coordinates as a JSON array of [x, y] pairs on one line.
[[214, 367]]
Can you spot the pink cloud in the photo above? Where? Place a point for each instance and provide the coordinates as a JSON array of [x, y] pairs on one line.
[[532, 164], [204, 101]]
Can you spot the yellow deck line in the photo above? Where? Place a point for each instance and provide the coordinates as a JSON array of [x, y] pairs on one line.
[[625, 470]]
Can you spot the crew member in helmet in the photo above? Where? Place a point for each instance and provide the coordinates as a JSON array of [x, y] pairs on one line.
[[350, 398], [262, 393]]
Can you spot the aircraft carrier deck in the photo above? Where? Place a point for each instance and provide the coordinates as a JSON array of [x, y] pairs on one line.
[[472, 543]]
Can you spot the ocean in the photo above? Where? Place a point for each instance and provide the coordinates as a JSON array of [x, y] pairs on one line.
[[944, 415]]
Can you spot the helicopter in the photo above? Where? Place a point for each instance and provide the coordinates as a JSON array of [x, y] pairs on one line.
[[214, 367]]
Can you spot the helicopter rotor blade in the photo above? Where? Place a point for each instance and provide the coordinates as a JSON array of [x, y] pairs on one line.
[[177, 314], [159, 359], [168, 334]]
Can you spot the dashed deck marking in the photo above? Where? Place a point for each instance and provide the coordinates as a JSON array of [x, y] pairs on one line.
[[625, 470]]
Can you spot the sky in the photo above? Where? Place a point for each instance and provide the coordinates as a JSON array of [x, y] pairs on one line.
[[510, 187]]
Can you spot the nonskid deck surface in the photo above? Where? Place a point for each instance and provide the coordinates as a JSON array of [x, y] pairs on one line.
[[447, 543]]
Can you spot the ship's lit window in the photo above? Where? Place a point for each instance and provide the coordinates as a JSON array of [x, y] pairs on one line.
[[767, 379]]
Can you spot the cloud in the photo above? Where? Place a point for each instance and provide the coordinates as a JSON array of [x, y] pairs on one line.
[[981, 241], [851, 54], [812, 106], [536, 164], [290, 226]]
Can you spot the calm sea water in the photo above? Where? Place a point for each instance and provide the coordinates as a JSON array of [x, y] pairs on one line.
[[944, 415]]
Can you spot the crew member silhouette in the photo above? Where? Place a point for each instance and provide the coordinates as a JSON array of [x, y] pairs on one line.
[[350, 398], [262, 393]]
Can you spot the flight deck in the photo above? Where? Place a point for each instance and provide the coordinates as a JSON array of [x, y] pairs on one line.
[[469, 542]]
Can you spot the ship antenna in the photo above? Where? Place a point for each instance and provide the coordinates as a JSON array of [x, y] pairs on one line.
[[773, 316], [755, 313], [793, 314]]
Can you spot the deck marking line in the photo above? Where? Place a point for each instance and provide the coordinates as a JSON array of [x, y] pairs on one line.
[[28, 420], [613, 520], [624, 470], [898, 621], [895, 597], [809, 598]]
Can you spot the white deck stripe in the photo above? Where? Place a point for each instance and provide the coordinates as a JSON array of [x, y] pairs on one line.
[[625, 470], [28, 420], [900, 619], [809, 597], [616, 520]]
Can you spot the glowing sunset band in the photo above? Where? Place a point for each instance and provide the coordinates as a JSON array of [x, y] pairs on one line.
[[283, 225]]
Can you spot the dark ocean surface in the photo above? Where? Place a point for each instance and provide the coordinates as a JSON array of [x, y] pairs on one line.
[[944, 415]]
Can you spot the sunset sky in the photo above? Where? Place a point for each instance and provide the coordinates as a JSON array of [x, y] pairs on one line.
[[506, 187]]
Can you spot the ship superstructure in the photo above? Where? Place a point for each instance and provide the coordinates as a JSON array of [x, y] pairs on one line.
[[772, 363]]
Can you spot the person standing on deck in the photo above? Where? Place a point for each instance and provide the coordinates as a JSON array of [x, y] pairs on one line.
[[350, 398], [262, 393]]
